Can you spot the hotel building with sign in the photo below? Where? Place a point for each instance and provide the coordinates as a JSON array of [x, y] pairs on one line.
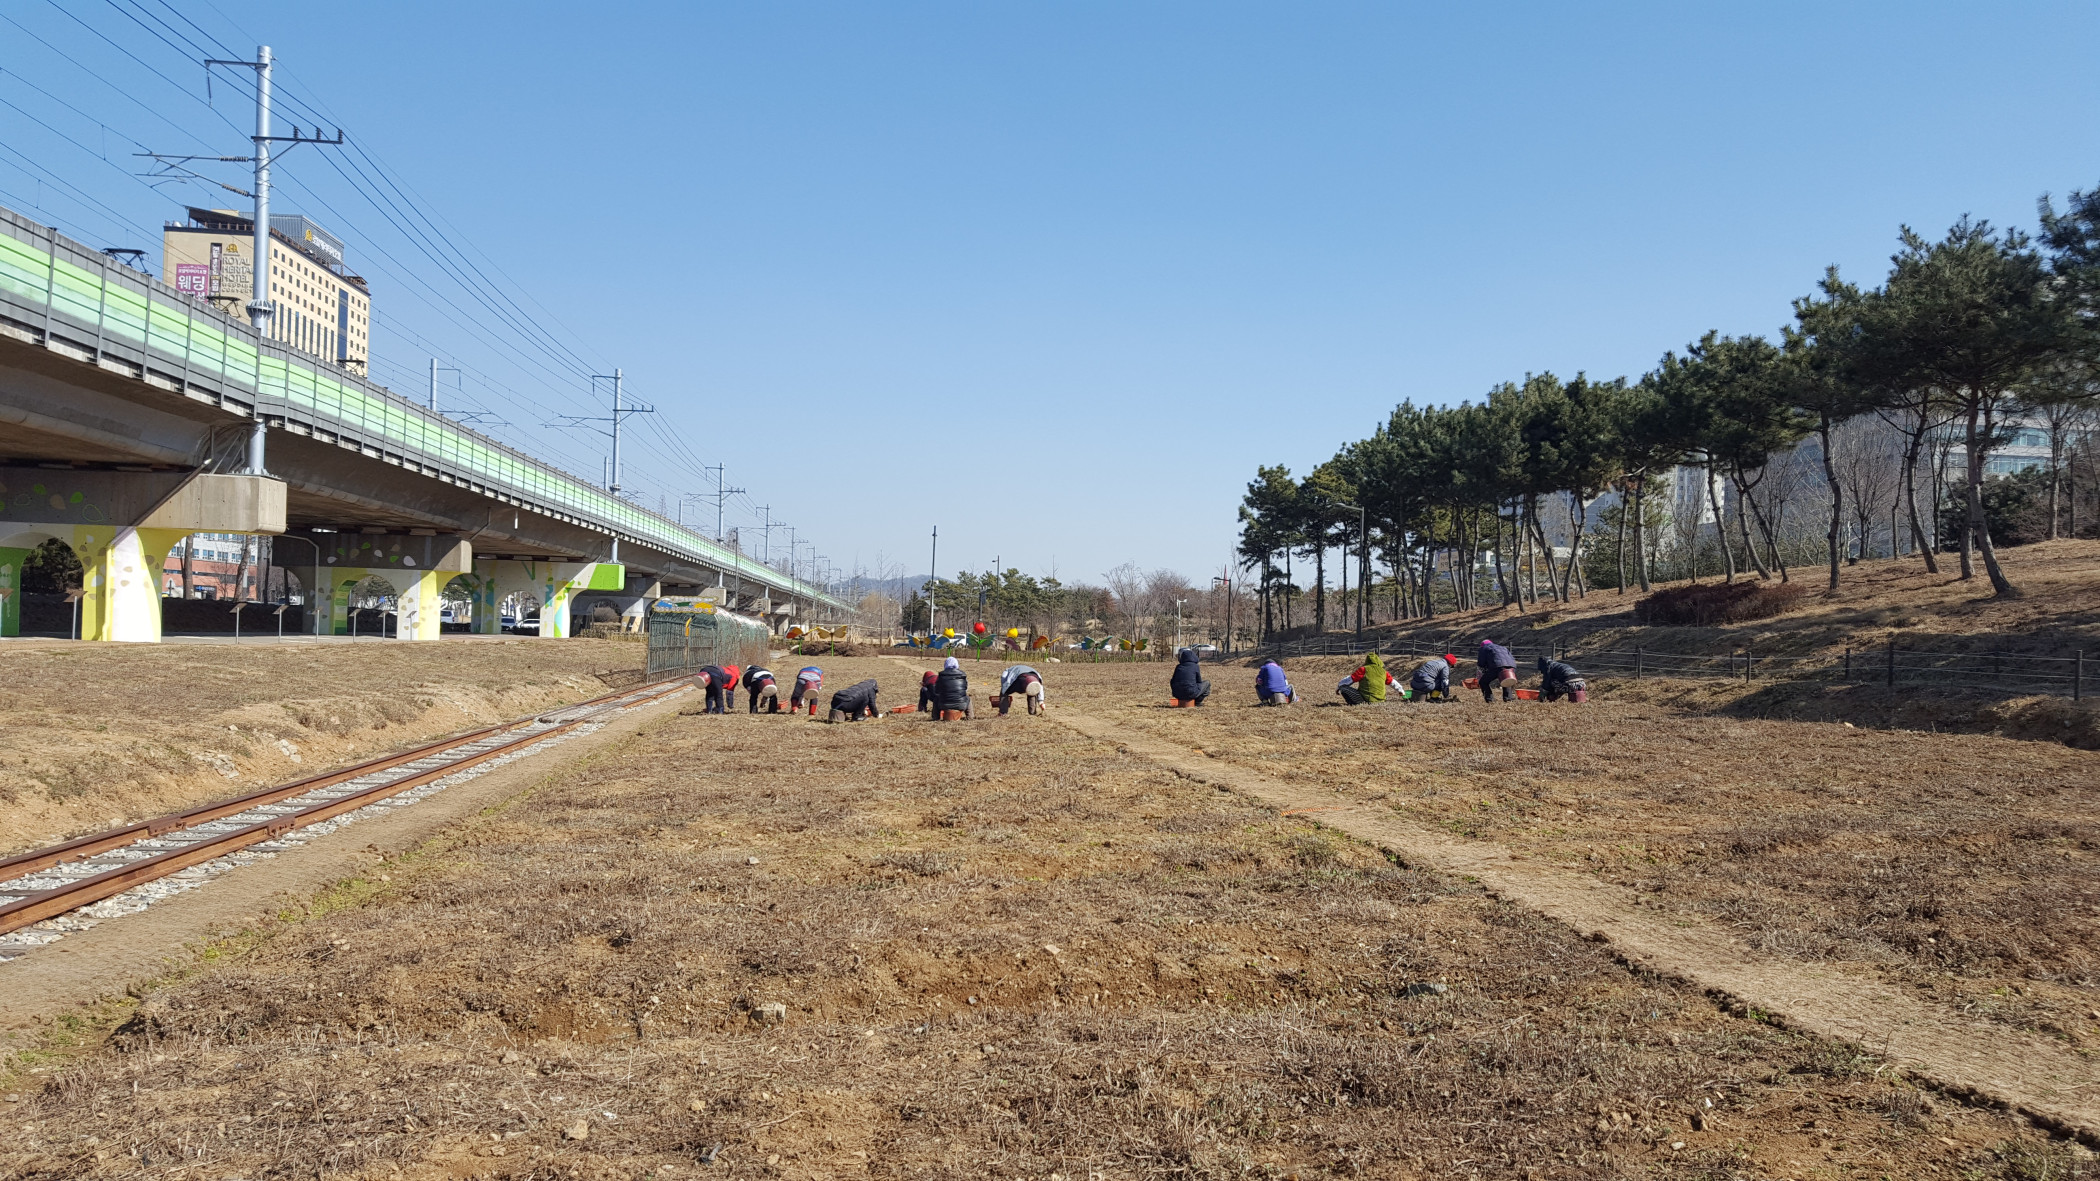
[[322, 308]]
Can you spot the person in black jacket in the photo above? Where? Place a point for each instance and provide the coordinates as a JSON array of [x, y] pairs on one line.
[[1188, 683], [951, 691], [759, 683], [1498, 668], [854, 702], [1560, 680], [719, 685]]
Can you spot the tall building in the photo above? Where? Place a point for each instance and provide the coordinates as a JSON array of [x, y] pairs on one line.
[[322, 308]]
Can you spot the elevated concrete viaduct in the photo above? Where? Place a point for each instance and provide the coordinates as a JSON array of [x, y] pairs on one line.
[[126, 413]]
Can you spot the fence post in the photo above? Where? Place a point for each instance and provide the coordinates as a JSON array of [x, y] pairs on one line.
[[1637, 662], [1892, 664], [2078, 676], [1848, 665]]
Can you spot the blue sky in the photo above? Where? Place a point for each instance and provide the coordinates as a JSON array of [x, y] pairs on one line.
[[1057, 277]]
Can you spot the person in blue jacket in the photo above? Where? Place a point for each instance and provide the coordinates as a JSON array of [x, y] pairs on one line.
[[1432, 681], [1498, 668], [1272, 687]]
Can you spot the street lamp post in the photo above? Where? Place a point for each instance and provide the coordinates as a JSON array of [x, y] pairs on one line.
[[1228, 609], [1177, 623]]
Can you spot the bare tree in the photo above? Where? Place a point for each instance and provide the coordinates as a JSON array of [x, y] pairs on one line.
[[1868, 455], [1127, 583]]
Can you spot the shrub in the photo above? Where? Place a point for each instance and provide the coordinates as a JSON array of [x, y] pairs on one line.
[[1716, 603]]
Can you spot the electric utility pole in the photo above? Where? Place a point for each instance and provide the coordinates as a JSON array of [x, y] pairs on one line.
[[933, 568], [260, 309], [621, 411], [722, 494], [436, 369], [765, 533]]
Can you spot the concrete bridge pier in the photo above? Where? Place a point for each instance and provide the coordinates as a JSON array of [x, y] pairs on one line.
[[122, 526], [414, 566], [554, 584]]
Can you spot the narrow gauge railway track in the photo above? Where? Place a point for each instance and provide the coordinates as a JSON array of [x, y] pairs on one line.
[[45, 883]]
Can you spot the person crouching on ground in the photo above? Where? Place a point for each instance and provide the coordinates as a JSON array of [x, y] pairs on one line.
[[720, 684], [1271, 687], [951, 692], [1372, 679], [1021, 679], [1498, 669], [1188, 684], [926, 684], [759, 683], [854, 702], [807, 683], [1561, 680], [1432, 681]]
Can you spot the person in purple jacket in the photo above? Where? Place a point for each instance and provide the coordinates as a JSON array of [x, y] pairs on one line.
[[1272, 686], [1498, 667]]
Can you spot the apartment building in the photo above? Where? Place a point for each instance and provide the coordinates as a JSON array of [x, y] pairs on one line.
[[322, 308]]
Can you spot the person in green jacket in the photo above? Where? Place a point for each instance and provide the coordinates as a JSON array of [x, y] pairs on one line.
[[1373, 685]]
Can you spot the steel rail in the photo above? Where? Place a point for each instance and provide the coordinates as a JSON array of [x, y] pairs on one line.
[[36, 906], [81, 848]]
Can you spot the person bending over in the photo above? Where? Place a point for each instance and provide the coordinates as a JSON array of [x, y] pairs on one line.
[[1021, 679], [720, 684], [807, 682], [951, 691], [854, 702], [1188, 684], [1271, 687], [759, 683], [1432, 681], [1561, 680], [926, 684], [1498, 669]]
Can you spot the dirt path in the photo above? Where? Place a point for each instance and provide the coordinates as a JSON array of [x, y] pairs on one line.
[[2038, 1078]]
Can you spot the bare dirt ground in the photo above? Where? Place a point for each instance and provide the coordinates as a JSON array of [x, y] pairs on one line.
[[92, 735], [902, 948], [1963, 868]]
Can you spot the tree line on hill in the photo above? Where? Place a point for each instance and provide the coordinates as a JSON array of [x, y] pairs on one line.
[[1968, 339]]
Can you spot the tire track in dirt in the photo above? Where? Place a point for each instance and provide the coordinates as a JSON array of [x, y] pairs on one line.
[[2044, 1081]]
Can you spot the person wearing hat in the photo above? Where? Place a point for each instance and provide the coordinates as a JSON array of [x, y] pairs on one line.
[[1560, 680], [951, 692], [926, 684], [1432, 681], [759, 683], [1272, 687], [1498, 669], [720, 684], [1021, 679], [807, 683]]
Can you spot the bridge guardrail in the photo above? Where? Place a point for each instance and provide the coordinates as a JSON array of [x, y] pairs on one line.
[[60, 293]]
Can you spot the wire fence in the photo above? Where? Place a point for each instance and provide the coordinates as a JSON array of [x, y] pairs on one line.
[[1889, 665], [682, 642]]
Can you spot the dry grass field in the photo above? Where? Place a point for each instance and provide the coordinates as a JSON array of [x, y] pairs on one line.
[[1876, 601], [91, 734], [769, 947]]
